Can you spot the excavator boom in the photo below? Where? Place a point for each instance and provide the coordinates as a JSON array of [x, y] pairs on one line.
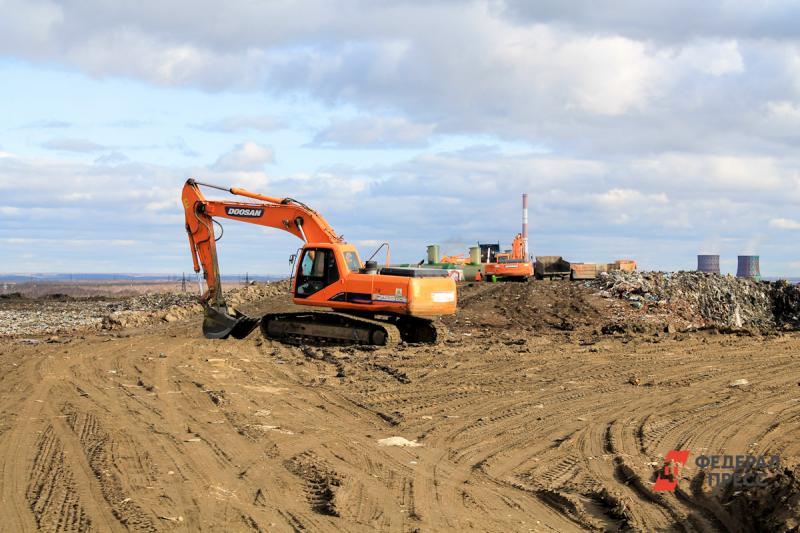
[[281, 213]]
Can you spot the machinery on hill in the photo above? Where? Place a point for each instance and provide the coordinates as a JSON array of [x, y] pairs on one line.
[[580, 271], [373, 305], [511, 265], [551, 266], [455, 259]]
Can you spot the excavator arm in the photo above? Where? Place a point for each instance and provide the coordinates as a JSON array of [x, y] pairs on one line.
[[518, 247], [281, 213]]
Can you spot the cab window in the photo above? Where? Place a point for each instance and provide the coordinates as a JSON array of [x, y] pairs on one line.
[[317, 271], [308, 262], [352, 260]]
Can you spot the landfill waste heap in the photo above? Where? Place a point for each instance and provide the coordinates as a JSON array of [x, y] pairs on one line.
[[707, 299]]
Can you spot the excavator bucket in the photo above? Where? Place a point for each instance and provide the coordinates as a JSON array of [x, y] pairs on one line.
[[219, 324]]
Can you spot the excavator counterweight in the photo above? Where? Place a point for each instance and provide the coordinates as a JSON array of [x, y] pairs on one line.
[[370, 305]]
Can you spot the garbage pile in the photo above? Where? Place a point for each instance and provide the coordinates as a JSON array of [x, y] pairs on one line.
[[786, 304], [147, 308], [771, 504], [170, 307], [257, 291], [50, 316], [26, 318], [703, 299]]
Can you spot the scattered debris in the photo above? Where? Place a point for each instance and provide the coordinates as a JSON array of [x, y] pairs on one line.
[[398, 441], [176, 519], [48, 316], [739, 383]]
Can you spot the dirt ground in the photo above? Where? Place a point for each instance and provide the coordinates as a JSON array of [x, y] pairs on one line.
[[525, 417]]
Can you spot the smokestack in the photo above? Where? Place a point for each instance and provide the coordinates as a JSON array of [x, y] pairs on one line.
[[708, 263], [525, 226], [748, 267]]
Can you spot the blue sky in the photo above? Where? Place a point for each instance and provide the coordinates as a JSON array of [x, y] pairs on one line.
[[655, 132]]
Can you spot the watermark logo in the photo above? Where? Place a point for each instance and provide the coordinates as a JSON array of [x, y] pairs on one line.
[[667, 480], [745, 470]]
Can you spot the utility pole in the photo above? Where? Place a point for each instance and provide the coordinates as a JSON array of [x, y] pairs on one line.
[[183, 282]]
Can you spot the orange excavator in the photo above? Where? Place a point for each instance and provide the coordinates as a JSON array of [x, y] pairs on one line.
[[513, 265], [371, 305], [455, 259]]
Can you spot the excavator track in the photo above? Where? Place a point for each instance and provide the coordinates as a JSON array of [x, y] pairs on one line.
[[328, 328], [343, 328]]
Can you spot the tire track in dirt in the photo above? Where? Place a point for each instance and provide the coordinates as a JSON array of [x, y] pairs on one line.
[[523, 425], [99, 448], [619, 475], [51, 493]]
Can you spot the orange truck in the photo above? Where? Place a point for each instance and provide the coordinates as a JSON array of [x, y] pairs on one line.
[[371, 305], [510, 265]]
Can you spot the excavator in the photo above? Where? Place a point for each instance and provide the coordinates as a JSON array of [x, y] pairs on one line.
[[511, 265], [370, 305]]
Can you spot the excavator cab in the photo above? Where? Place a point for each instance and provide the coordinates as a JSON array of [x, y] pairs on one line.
[[316, 270]]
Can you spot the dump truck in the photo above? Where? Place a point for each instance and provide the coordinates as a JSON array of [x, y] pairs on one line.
[[551, 266]]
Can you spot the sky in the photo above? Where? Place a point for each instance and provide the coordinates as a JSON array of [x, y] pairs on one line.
[[646, 130]]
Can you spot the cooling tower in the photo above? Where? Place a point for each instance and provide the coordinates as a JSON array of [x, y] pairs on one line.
[[708, 263], [748, 267]]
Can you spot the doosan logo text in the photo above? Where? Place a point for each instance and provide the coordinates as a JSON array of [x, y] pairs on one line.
[[244, 212]]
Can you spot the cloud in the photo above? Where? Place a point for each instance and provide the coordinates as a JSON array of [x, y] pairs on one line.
[[583, 209], [664, 20], [716, 58], [179, 145], [129, 123], [375, 132], [237, 124], [645, 128], [784, 223], [73, 145], [47, 124], [618, 198], [247, 156], [616, 79], [112, 158]]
